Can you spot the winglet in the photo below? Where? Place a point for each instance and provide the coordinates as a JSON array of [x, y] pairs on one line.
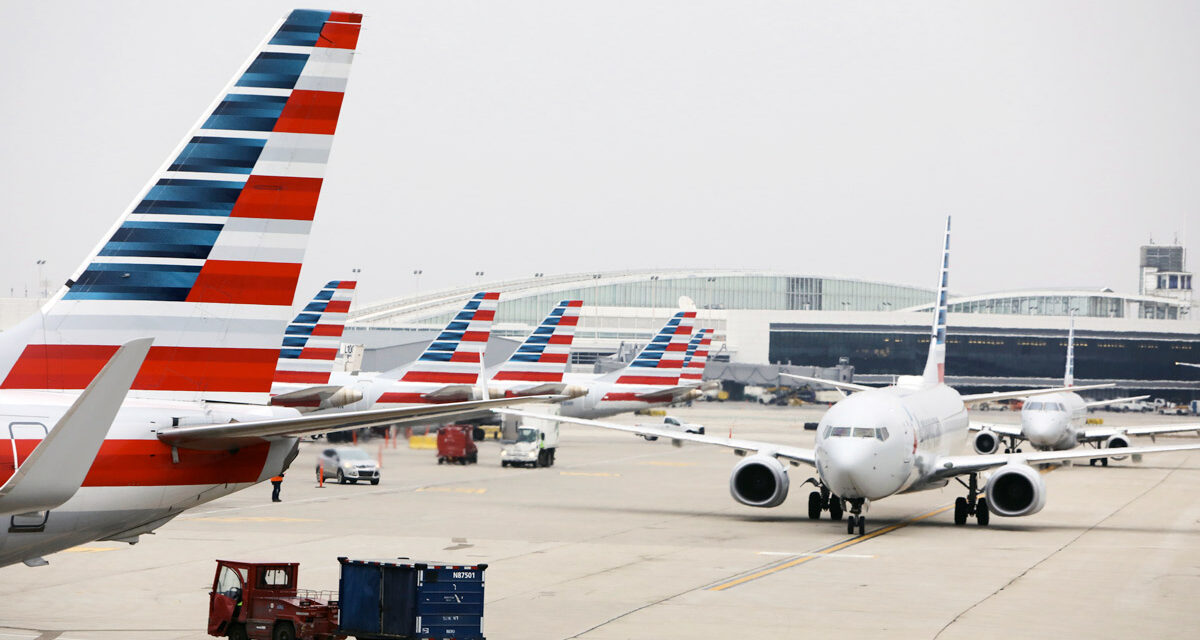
[[935, 365], [55, 470]]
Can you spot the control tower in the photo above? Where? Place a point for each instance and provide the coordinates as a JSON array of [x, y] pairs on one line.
[[1163, 273]]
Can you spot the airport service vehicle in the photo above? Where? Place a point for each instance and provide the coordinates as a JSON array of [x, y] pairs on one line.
[[456, 445], [347, 464], [376, 600], [1058, 421], [673, 424], [205, 262], [536, 442], [878, 442]]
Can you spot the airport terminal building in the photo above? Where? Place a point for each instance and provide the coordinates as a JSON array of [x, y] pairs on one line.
[[994, 341]]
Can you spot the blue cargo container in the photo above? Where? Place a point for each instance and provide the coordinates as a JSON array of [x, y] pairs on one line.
[[389, 599]]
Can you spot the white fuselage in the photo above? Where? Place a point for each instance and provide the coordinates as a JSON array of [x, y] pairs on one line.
[[1053, 422], [136, 482], [605, 397], [877, 443]]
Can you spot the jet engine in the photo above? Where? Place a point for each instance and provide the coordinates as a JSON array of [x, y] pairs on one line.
[[341, 398], [986, 442], [1117, 441], [759, 481], [1016, 490]]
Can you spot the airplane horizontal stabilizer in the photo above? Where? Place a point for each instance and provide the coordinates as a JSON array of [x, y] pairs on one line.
[[234, 435], [55, 470]]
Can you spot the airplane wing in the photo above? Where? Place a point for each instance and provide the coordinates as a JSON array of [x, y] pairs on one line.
[[950, 466], [1101, 403], [1096, 434], [233, 435], [1010, 395], [55, 470], [1013, 430], [837, 384], [797, 454]]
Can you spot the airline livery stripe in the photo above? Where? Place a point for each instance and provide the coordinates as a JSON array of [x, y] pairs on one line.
[[165, 368], [339, 35], [285, 198], [439, 376], [149, 463], [310, 112], [237, 282], [309, 377], [530, 376]]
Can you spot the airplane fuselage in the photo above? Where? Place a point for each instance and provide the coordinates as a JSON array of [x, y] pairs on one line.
[[877, 443], [606, 398], [1053, 422], [136, 483]]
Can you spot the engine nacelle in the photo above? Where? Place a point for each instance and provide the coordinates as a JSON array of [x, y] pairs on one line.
[[341, 398], [986, 442], [1117, 441], [759, 481], [1016, 490]]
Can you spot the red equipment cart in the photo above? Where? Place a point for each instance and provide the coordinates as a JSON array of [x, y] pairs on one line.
[[455, 445], [260, 601]]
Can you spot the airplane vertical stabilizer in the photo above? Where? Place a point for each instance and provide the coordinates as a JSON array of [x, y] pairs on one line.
[[693, 364], [207, 256], [660, 362], [935, 364], [455, 355], [311, 341], [1069, 376], [543, 357]]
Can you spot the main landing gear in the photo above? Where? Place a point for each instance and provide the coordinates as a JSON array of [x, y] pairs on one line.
[[823, 500], [972, 505]]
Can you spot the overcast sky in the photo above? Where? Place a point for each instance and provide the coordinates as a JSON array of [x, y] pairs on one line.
[[522, 137]]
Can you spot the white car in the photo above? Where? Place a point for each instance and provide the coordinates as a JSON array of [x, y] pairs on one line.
[[670, 423], [347, 464]]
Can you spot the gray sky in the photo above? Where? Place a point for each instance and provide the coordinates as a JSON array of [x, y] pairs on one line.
[[514, 137]]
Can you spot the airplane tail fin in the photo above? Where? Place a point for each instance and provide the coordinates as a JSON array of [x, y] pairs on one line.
[[693, 364], [207, 256], [660, 362], [311, 341], [544, 355], [1069, 375], [455, 355], [935, 364]]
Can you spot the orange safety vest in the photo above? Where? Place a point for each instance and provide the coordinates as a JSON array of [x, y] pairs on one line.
[[277, 479]]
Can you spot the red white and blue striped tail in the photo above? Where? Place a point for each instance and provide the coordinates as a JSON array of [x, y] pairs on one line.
[[697, 357], [544, 355], [311, 341], [935, 363], [207, 256], [661, 361], [455, 356]]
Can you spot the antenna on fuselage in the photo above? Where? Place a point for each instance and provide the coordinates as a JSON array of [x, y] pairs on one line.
[[1069, 376], [935, 364]]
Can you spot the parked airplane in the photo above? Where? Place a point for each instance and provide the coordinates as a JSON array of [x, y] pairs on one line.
[[696, 359], [205, 261], [882, 441], [310, 347], [1057, 421], [651, 379]]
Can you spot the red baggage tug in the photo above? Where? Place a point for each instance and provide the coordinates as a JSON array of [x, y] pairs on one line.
[[456, 445]]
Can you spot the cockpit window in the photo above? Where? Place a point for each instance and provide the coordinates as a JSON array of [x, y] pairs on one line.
[[857, 432], [1033, 406], [1053, 406]]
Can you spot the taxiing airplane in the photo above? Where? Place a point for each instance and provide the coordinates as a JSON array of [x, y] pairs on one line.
[[1057, 421], [205, 262], [882, 441]]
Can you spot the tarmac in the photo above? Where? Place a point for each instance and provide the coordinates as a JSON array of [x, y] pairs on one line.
[[624, 538]]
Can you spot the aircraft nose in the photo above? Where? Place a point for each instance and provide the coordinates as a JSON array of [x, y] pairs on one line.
[[850, 468], [1043, 430]]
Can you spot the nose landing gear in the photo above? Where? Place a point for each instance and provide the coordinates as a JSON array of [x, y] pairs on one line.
[[972, 505], [857, 520], [823, 500]]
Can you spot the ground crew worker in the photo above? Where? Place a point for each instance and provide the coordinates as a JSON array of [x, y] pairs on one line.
[[277, 483]]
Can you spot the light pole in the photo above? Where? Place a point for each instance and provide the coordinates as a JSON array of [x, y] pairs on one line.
[[653, 298], [41, 283], [417, 279]]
